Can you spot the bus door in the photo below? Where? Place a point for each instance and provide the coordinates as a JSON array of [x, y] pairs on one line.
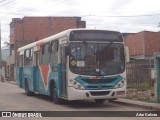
[[63, 83], [36, 72]]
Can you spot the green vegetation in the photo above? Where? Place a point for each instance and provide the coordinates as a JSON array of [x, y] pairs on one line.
[[141, 91], [146, 85]]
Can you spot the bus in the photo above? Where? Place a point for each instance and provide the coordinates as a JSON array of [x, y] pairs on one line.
[[76, 64]]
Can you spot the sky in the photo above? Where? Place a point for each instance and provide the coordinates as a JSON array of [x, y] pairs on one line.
[[121, 15]]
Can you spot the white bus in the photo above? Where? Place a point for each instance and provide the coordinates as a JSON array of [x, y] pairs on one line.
[[76, 64]]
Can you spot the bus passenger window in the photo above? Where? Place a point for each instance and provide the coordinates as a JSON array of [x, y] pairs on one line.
[[45, 53], [28, 57], [54, 52], [20, 61]]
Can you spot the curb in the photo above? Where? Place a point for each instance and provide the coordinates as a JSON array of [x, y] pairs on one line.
[[150, 106]]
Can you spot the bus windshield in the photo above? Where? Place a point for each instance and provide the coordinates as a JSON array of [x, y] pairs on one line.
[[96, 59]]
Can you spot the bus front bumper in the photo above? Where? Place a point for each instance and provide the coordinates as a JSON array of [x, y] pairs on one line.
[[75, 94]]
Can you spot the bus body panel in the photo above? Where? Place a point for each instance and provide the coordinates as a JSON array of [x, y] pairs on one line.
[[43, 79], [54, 75], [101, 83], [74, 94], [36, 80], [19, 74], [39, 78], [96, 90], [28, 76]]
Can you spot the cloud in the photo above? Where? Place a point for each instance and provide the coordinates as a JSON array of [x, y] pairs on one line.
[[84, 8], [119, 5]]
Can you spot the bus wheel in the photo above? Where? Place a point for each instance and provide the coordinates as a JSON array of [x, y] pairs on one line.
[[53, 94], [99, 101], [28, 93]]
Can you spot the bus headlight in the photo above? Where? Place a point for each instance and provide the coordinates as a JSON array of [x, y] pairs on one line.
[[120, 84], [76, 84]]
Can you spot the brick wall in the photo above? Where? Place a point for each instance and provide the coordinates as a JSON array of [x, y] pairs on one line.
[[59, 23], [15, 30], [152, 42], [143, 43], [30, 29], [135, 43], [35, 28]]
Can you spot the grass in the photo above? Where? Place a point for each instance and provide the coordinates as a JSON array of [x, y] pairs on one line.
[[141, 91], [141, 86]]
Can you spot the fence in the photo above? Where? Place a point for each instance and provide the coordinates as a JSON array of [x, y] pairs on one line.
[[139, 73]]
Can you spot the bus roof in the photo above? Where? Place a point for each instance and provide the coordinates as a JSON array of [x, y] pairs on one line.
[[54, 37]]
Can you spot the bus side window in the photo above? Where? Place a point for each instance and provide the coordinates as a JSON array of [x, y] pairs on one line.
[[54, 52], [31, 56], [45, 53], [20, 61], [42, 54], [28, 57]]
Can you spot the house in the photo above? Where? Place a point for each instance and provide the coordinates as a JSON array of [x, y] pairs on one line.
[[142, 45], [30, 29]]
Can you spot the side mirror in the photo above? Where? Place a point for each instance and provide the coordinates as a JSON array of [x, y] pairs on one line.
[[127, 57]]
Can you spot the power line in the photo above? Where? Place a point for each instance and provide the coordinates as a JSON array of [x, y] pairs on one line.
[[121, 15], [26, 6], [149, 15], [28, 9], [12, 13], [2, 1], [31, 8], [145, 24], [8, 2], [54, 5]]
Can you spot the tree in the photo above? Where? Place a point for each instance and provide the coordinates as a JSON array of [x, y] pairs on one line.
[[7, 44]]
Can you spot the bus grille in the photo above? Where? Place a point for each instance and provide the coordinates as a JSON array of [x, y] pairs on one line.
[[108, 80], [97, 87], [99, 93]]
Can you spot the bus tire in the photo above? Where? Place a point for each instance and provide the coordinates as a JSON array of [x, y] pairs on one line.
[[53, 93], [27, 92], [99, 101]]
